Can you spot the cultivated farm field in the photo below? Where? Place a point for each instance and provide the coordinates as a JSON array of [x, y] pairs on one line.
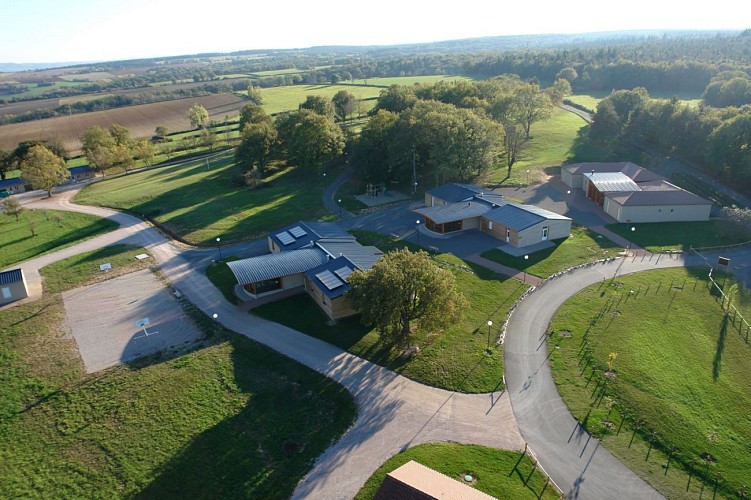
[[140, 120]]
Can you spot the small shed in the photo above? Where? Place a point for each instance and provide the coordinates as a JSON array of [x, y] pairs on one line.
[[13, 186], [525, 225], [414, 481], [78, 174], [12, 286]]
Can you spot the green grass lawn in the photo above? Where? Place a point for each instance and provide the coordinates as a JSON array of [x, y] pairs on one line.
[[499, 473], [54, 230], [453, 360], [408, 80], [280, 99], [581, 247], [682, 370], [198, 204], [228, 419], [659, 236], [551, 142]]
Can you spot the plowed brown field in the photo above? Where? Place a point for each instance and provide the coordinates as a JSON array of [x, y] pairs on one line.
[[140, 120]]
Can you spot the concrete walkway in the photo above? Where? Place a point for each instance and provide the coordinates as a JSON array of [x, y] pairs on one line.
[[394, 412]]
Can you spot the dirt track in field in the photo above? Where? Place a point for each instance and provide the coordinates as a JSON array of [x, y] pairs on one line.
[[141, 120]]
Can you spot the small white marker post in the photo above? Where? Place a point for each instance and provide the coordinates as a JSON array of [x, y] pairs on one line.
[[143, 323], [105, 267]]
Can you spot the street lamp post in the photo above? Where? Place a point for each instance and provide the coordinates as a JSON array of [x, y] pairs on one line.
[[219, 245], [418, 230], [490, 325], [340, 207], [216, 322], [526, 258], [527, 176]]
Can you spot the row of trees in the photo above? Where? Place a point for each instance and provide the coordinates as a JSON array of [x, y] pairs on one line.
[[115, 148], [717, 140], [451, 130], [42, 163]]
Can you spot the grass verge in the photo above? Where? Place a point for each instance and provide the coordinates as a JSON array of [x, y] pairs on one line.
[[454, 359], [673, 403], [221, 276], [231, 418], [52, 230], [660, 236], [581, 247], [499, 473]]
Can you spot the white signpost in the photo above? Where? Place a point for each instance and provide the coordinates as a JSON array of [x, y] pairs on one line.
[[105, 267], [143, 323]]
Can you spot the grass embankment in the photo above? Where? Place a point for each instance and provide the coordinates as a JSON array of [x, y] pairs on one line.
[[453, 360], [657, 237], [581, 247], [52, 230], [682, 376], [230, 419], [499, 473], [198, 204]]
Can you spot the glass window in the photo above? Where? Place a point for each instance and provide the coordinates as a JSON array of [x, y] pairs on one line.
[[7, 294]]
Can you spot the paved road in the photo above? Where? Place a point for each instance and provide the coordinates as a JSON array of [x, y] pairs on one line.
[[394, 412]]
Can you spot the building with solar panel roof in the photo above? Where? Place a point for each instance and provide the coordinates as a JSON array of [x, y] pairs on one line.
[[312, 257]]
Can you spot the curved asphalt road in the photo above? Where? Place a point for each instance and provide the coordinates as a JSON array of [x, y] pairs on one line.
[[393, 412]]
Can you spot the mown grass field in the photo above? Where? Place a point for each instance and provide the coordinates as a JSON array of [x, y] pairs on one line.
[[681, 374], [581, 247], [660, 236], [407, 80], [280, 99], [54, 230], [551, 144], [453, 360], [499, 473], [198, 204], [228, 419]]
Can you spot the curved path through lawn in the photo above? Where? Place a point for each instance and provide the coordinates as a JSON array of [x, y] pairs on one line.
[[394, 412], [575, 461]]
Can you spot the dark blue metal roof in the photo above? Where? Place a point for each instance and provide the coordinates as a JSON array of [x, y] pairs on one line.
[[303, 234], [16, 181], [454, 193], [12, 276], [80, 170], [328, 277]]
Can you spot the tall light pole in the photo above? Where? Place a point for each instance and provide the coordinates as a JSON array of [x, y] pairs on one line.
[[526, 258], [418, 230], [340, 207], [527, 176], [490, 325], [219, 245], [216, 322]]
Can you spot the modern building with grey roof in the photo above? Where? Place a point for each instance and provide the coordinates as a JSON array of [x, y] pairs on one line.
[[516, 224], [313, 257], [451, 193], [12, 286], [630, 193]]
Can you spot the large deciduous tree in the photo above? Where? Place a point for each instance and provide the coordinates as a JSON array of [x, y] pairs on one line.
[[256, 145], [198, 116], [6, 163], [402, 289], [252, 113], [12, 207], [43, 169], [97, 144], [344, 104], [531, 105], [311, 139], [318, 104]]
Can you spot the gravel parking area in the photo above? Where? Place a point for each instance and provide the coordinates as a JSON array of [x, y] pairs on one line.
[[103, 319]]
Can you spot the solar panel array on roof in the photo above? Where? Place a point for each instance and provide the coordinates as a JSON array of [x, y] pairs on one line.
[[329, 280], [343, 272], [298, 232], [285, 238]]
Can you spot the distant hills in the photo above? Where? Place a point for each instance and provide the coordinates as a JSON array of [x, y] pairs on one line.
[[492, 43]]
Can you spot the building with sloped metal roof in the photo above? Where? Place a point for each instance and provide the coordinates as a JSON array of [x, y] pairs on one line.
[[451, 193], [316, 258], [516, 224], [12, 286], [630, 193]]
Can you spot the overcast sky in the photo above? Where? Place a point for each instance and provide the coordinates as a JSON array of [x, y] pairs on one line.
[[91, 30]]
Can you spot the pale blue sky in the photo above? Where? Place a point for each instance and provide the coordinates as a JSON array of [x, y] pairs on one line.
[[87, 30]]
